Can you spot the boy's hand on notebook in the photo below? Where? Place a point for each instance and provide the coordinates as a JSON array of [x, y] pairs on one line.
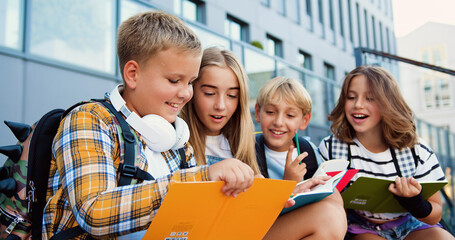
[[237, 175], [293, 169], [310, 184], [405, 187]]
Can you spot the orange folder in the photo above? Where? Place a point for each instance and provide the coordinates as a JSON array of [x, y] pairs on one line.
[[199, 210]]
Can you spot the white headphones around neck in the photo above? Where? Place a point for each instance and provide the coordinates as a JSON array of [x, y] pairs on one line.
[[158, 133]]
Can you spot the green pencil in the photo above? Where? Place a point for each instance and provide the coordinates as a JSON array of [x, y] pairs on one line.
[[297, 143]]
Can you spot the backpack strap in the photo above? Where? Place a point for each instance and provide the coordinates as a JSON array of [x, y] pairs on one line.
[[395, 162], [348, 149], [310, 161], [330, 148], [260, 155], [70, 234], [183, 163], [127, 169], [414, 155]]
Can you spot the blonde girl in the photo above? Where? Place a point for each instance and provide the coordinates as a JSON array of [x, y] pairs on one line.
[[219, 111]]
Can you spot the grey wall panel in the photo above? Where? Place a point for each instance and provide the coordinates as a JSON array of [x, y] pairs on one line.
[[62, 89], [29, 90], [11, 97]]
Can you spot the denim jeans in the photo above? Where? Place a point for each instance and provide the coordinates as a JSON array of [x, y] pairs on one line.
[[397, 229]]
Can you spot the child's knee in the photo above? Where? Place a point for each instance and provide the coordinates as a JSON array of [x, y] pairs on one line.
[[332, 221]]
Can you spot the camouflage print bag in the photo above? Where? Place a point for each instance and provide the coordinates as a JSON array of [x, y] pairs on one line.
[[25, 174], [24, 178]]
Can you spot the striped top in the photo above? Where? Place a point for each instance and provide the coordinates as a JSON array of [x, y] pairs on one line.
[[381, 165], [83, 178]]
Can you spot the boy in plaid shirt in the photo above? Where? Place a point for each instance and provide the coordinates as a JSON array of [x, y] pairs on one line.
[[159, 59]]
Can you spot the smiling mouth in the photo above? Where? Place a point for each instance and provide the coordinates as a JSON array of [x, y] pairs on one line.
[[359, 116], [175, 105], [277, 132]]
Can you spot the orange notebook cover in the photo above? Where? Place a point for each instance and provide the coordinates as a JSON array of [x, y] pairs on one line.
[[199, 210]]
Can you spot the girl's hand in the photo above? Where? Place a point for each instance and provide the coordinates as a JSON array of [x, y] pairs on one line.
[[405, 187], [310, 184], [292, 169], [237, 175]]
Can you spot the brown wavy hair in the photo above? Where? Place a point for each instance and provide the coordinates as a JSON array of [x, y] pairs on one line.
[[399, 130], [239, 130]]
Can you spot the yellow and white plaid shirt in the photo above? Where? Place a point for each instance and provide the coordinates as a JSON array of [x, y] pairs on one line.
[[83, 178]]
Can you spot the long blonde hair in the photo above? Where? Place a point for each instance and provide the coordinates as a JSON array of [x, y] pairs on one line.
[[239, 130], [398, 127]]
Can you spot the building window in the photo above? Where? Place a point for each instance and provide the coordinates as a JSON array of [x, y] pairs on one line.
[[381, 36], [236, 29], [266, 3], [429, 98], [351, 34], [274, 46], [294, 14], [321, 12], [436, 57], [426, 57], [308, 21], [386, 8], [11, 24], [305, 60], [444, 92], [373, 24], [130, 8], [340, 6], [79, 33], [329, 71], [282, 7], [359, 26], [331, 19], [192, 10], [387, 40], [437, 93], [309, 12], [367, 32]]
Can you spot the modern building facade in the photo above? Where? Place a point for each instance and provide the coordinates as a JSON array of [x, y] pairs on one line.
[[431, 94], [55, 53]]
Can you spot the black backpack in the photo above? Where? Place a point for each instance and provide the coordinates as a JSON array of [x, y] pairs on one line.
[[24, 177], [310, 161]]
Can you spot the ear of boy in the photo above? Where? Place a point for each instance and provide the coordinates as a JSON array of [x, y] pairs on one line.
[[130, 71], [305, 121], [257, 110]]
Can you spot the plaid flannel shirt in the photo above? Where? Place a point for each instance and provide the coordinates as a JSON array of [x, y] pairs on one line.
[[83, 178]]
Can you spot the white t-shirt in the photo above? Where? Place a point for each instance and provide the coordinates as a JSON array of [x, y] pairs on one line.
[[217, 148], [276, 162]]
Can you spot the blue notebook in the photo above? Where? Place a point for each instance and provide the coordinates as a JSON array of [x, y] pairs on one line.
[[316, 194]]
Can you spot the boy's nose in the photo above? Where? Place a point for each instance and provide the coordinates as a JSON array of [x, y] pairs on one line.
[[185, 92], [278, 121]]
